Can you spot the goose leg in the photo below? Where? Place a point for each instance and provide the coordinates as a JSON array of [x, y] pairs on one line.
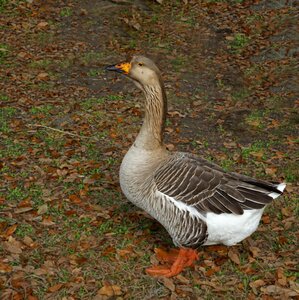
[[185, 258]]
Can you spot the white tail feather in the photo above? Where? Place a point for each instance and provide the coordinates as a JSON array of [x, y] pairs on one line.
[[280, 187]]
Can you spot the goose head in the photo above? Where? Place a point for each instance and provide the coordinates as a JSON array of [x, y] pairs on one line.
[[140, 69]]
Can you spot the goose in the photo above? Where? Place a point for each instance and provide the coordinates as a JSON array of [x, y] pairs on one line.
[[196, 201]]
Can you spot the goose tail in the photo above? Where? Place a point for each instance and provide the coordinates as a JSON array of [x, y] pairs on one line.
[[280, 188]]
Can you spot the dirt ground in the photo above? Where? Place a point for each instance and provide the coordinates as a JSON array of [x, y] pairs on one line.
[[230, 70]]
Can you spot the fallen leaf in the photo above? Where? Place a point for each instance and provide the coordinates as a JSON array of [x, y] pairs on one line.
[[110, 290], [55, 288], [42, 25], [12, 245], [234, 256], [75, 199], [271, 171], [281, 278], [4, 268], [277, 290], [254, 251], [10, 230], [212, 271], [28, 241], [266, 219], [43, 76], [42, 209], [257, 283], [47, 221], [22, 210], [168, 283]]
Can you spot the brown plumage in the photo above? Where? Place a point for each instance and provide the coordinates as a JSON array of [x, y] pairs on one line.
[[195, 200]]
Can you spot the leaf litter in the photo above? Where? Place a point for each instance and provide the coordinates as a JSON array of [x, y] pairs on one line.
[[66, 230]]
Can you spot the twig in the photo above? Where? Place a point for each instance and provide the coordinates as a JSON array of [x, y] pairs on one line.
[[60, 131]]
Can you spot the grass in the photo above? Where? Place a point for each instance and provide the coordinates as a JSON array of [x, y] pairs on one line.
[[66, 12], [258, 147], [4, 50], [86, 244], [3, 98], [42, 109], [41, 64], [256, 119], [91, 57], [240, 95], [95, 72], [10, 148], [239, 42], [25, 230]]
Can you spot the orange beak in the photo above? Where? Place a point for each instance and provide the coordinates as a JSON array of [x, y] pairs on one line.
[[123, 68]]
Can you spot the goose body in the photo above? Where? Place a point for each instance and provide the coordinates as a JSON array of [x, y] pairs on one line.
[[195, 200]]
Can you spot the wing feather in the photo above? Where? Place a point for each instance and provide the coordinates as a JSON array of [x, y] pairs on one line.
[[206, 187]]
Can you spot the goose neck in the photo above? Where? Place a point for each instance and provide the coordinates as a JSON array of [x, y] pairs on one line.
[[151, 134]]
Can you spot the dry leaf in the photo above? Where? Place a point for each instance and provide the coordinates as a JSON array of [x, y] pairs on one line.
[[212, 271], [47, 221], [271, 171], [28, 241], [12, 245], [254, 251], [168, 283], [43, 76], [110, 290], [10, 230], [42, 209], [266, 219], [55, 288], [22, 210], [257, 283], [42, 24], [4, 268], [75, 199], [234, 256], [281, 278]]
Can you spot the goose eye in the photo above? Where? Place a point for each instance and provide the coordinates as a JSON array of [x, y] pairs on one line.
[[140, 64]]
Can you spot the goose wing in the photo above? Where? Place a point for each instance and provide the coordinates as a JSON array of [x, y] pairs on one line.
[[203, 185]]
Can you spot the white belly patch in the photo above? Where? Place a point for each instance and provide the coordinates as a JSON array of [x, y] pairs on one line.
[[229, 229]]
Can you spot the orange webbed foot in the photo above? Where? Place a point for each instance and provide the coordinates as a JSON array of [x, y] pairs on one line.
[[185, 258]]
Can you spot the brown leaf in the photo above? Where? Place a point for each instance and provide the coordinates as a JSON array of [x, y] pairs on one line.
[[254, 251], [271, 171], [266, 219], [10, 230], [55, 288], [28, 241], [168, 283], [212, 271], [234, 256], [257, 283], [23, 210], [47, 221], [43, 76], [281, 278], [110, 290], [277, 290], [42, 209], [12, 245], [75, 199], [4, 268], [42, 25], [124, 252]]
